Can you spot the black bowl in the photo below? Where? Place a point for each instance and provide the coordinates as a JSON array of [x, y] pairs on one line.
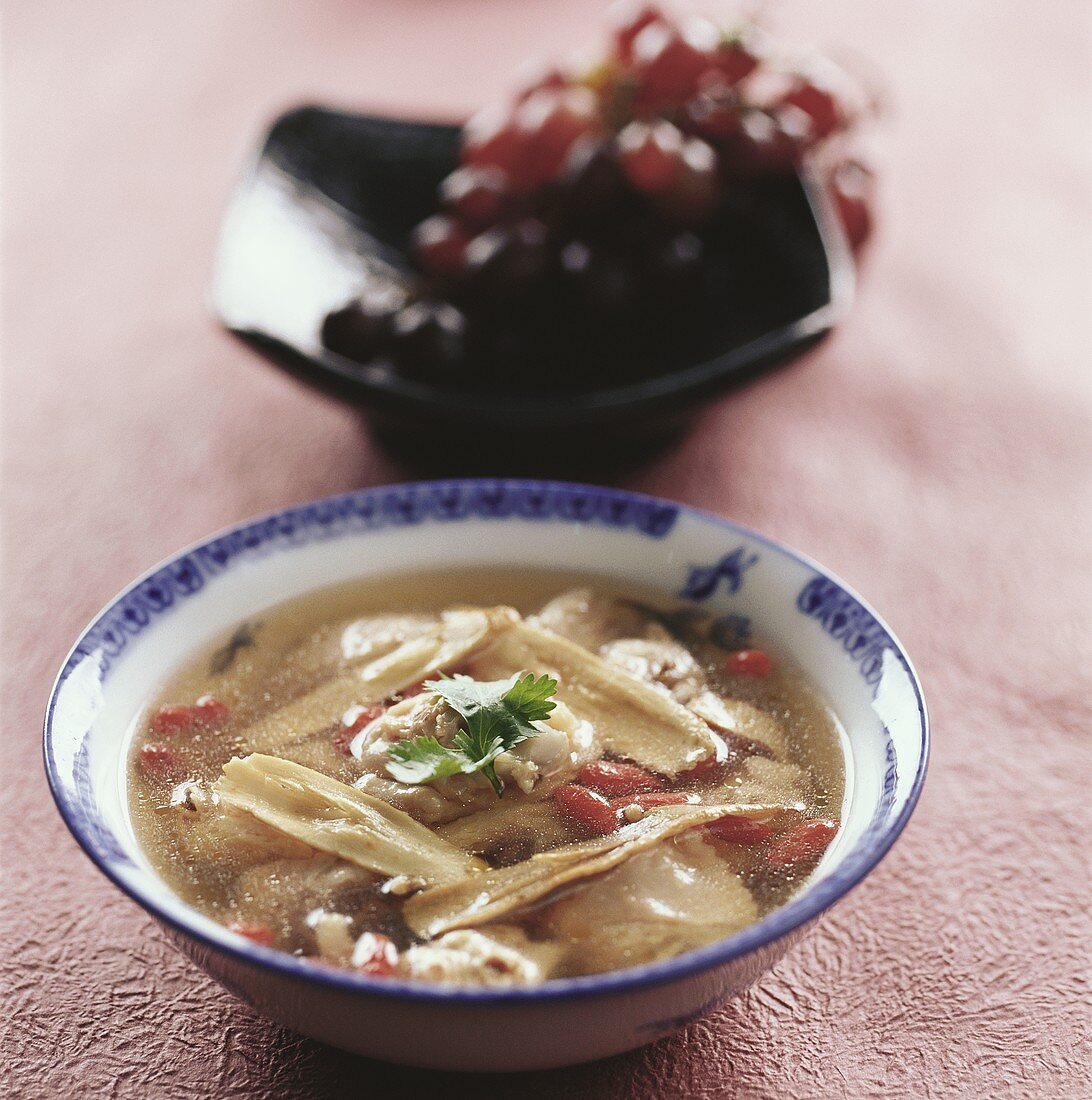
[[330, 202]]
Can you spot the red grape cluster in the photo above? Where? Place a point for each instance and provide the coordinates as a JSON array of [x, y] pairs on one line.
[[587, 195]]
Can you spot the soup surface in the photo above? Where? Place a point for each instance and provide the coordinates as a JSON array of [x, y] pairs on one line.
[[487, 779]]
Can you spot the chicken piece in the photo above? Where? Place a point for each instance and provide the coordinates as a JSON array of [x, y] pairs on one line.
[[500, 956], [532, 768], [592, 619], [745, 728], [333, 935], [426, 714], [663, 663], [207, 833], [675, 897]]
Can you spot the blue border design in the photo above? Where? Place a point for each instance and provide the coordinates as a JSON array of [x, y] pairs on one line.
[[187, 572], [843, 617], [704, 580], [368, 510]]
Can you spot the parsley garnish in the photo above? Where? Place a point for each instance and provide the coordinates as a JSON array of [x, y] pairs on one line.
[[497, 715]]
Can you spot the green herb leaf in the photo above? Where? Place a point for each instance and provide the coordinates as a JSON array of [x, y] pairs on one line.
[[497, 715], [421, 760]]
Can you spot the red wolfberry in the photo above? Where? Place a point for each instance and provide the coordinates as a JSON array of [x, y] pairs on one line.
[[704, 771], [649, 800], [254, 931], [749, 662], [802, 843], [740, 830], [588, 810], [352, 722], [614, 780], [210, 710], [156, 761], [172, 719]]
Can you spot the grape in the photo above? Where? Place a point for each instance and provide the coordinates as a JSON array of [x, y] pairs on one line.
[[628, 19], [819, 104], [671, 270], [358, 330], [734, 60], [851, 187], [479, 197], [427, 338], [770, 143], [668, 62], [439, 243], [549, 123], [597, 196], [604, 281], [579, 201], [503, 261], [679, 254], [651, 155], [693, 195], [492, 139]]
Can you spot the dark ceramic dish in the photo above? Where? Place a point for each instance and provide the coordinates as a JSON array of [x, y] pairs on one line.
[[329, 204]]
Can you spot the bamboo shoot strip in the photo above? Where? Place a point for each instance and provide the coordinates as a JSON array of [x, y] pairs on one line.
[[339, 819], [454, 637], [496, 893], [631, 718]]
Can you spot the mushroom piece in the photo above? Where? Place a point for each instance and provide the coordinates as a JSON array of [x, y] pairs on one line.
[[480, 899], [339, 819], [630, 717]]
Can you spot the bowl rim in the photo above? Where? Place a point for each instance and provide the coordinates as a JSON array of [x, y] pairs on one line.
[[809, 904]]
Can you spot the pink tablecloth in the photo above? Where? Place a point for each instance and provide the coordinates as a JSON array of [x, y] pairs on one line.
[[935, 453]]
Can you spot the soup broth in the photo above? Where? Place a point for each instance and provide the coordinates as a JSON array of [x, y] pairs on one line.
[[485, 778]]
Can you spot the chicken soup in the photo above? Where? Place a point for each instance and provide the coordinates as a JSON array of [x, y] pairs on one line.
[[486, 779]]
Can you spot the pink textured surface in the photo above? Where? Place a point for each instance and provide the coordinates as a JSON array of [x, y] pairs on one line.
[[935, 453]]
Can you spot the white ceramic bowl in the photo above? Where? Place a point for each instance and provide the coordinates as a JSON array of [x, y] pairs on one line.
[[127, 652]]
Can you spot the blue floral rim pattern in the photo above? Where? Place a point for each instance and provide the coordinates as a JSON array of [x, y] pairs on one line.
[[367, 510], [842, 613]]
